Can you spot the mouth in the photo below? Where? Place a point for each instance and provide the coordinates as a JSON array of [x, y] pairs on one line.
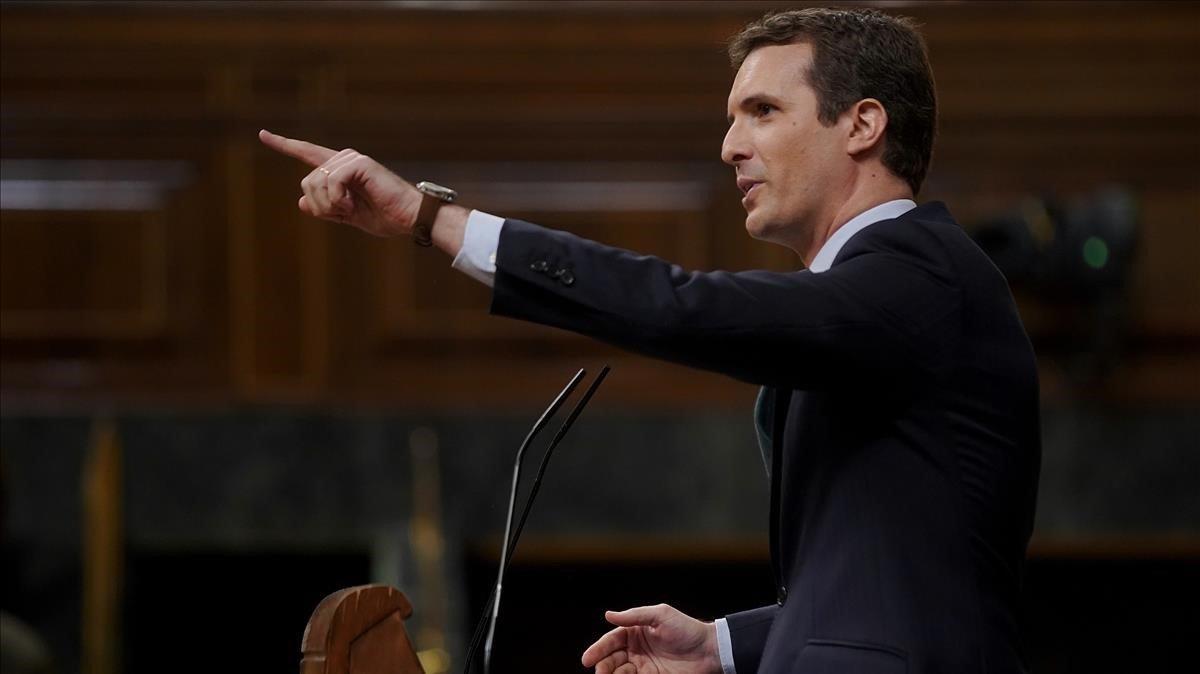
[[748, 186]]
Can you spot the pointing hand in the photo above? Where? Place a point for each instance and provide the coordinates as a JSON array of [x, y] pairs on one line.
[[350, 187]]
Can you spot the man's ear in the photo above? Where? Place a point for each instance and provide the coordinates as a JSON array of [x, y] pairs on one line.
[[868, 121]]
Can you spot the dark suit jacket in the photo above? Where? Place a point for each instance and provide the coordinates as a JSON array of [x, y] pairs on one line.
[[904, 416]]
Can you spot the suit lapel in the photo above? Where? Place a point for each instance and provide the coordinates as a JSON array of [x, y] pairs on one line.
[[770, 416], [764, 412]]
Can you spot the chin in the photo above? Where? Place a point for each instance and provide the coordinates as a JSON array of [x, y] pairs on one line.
[[758, 227]]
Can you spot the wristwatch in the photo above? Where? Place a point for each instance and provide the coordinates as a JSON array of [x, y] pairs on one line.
[[433, 196]]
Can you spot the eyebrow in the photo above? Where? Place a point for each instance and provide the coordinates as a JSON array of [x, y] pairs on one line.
[[751, 101]]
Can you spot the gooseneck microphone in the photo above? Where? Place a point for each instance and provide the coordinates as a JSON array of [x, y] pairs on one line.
[[492, 606]]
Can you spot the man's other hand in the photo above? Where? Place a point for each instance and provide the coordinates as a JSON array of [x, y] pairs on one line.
[[655, 640], [350, 187]]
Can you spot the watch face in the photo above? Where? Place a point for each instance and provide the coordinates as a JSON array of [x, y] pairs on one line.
[[436, 191]]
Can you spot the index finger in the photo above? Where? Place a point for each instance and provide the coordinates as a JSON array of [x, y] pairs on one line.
[[614, 640], [309, 153]]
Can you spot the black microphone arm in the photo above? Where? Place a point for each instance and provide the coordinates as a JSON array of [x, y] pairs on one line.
[[492, 607], [520, 458]]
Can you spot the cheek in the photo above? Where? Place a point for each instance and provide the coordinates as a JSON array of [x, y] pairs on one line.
[[791, 155]]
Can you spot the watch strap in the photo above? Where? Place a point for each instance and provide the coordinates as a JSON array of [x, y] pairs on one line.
[[422, 230]]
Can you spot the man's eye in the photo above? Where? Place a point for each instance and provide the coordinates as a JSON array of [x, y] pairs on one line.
[[764, 109]]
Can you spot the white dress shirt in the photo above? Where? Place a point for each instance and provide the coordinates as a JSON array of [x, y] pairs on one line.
[[477, 259]]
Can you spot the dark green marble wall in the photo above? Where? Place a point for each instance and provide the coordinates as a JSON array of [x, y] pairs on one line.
[[313, 482]]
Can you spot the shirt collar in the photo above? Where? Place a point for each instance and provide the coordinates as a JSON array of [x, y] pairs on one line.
[[885, 211]]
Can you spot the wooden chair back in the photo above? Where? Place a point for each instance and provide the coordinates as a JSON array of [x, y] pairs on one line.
[[359, 630]]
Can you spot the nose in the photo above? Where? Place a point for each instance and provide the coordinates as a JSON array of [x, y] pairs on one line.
[[735, 148]]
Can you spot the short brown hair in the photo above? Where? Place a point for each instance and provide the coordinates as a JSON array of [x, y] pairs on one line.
[[857, 54]]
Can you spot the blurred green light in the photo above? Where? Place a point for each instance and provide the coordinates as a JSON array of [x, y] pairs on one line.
[[1095, 252]]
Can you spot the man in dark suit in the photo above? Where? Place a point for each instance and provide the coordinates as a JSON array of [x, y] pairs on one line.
[[899, 412]]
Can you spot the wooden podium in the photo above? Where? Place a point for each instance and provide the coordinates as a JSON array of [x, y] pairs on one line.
[[359, 630]]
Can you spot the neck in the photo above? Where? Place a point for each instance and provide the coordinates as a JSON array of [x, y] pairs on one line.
[[841, 212]]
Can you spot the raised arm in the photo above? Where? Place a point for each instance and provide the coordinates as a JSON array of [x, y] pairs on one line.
[[874, 317]]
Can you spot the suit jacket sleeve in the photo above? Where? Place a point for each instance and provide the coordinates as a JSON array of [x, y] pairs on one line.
[[874, 314], [748, 633]]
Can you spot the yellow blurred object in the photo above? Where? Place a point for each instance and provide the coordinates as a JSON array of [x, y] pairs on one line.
[[103, 552], [427, 539], [434, 660]]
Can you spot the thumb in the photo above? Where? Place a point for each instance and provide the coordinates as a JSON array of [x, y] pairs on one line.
[[648, 616]]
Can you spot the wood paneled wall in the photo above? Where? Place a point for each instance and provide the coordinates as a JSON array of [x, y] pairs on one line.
[[151, 251]]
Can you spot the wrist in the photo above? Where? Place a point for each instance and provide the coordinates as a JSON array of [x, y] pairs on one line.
[[449, 227], [712, 649]]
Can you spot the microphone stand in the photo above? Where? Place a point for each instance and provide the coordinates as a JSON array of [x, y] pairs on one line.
[[510, 544]]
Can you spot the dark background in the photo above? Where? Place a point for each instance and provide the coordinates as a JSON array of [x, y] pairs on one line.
[[216, 410]]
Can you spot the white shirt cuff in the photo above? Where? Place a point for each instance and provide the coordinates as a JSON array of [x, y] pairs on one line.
[[481, 238], [725, 647]]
